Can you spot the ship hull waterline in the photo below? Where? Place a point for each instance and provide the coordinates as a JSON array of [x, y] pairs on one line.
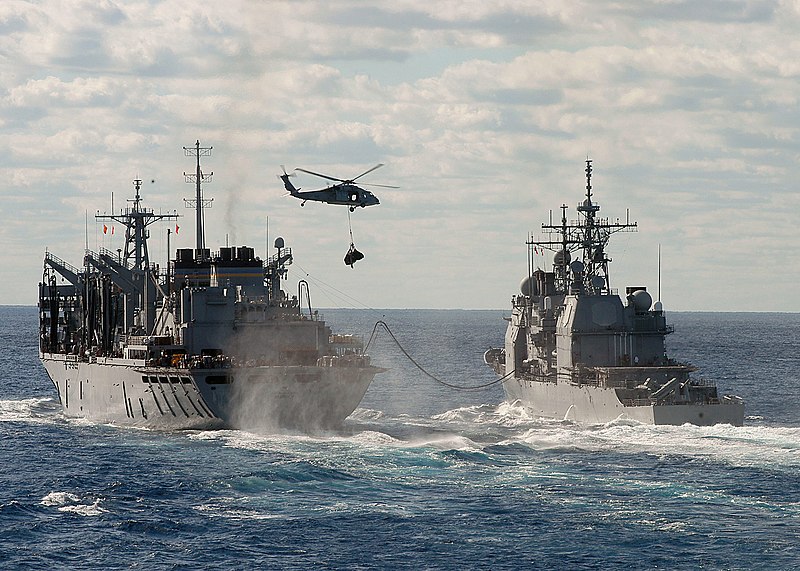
[[586, 404], [260, 398]]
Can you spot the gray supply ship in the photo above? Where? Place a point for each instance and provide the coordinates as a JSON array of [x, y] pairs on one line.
[[573, 349], [211, 342]]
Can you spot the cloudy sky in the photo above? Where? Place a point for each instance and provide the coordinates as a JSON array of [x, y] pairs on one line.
[[482, 111]]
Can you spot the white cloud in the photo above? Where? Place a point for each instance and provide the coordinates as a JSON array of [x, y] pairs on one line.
[[483, 114]]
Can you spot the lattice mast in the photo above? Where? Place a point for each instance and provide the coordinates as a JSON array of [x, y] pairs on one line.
[[136, 219], [198, 203], [588, 236], [136, 257]]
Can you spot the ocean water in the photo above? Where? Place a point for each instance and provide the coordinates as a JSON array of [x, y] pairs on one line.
[[421, 476]]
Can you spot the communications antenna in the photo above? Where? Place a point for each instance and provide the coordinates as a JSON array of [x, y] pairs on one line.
[[198, 203]]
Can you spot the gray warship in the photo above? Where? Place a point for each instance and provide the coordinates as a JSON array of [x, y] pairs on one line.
[[574, 351], [210, 341]]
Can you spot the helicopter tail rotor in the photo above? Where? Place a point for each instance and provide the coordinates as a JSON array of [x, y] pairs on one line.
[[290, 188]]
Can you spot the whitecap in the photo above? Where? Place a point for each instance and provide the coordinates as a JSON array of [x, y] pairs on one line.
[[503, 416], [372, 437], [366, 415], [514, 413], [59, 499], [621, 420], [467, 414], [93, 509], [224, 512], [27, 410], [443, 442], [747, 446], [71, 503]]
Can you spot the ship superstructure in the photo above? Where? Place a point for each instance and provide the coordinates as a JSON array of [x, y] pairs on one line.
[[573, 350], [212, 340]]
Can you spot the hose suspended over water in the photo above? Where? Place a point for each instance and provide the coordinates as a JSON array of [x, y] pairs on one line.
[[421, 368]]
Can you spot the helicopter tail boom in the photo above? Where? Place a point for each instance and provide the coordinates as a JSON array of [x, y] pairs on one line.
[[288, 184]]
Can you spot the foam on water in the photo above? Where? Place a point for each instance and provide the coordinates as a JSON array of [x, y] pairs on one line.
[[745, 446], [226, 511], [748, 446], [59, 499], [71, 503], [443, 442], [93, 509], [373, 438], [475, 427], [33, 410], [419, 477], [506, 414]]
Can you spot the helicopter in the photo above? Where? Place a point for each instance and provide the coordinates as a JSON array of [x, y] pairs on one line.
[[344, 192]]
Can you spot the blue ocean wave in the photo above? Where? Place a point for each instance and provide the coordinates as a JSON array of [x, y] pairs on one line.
[[419, 477]]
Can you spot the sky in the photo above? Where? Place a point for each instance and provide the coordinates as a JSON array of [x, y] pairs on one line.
[[483, 113]]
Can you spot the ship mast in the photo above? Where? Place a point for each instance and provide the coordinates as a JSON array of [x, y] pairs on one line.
[[589, 236], [198, 203], [136, 257]]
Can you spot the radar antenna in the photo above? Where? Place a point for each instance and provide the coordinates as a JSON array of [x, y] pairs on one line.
[[136, 219], [588, 235], [136, 258]]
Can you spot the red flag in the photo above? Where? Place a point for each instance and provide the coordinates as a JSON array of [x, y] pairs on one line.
[[177, 228], [112, 230], [105, 229]]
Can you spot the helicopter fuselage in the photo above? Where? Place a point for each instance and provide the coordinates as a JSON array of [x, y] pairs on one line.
[[344, 194]]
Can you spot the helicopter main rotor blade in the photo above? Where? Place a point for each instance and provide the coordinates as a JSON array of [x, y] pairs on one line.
[[380, 185], [321, 175], [379, 165]]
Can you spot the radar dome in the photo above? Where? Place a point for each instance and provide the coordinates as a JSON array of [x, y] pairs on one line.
[[562, 258], [641, 300], [528, 286]]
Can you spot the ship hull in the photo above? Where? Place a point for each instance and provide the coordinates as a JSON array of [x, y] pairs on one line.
[[166, 398], [588, 404]]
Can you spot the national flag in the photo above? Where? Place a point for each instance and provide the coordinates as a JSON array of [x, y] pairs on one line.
[[177, 228], [105, 229]]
